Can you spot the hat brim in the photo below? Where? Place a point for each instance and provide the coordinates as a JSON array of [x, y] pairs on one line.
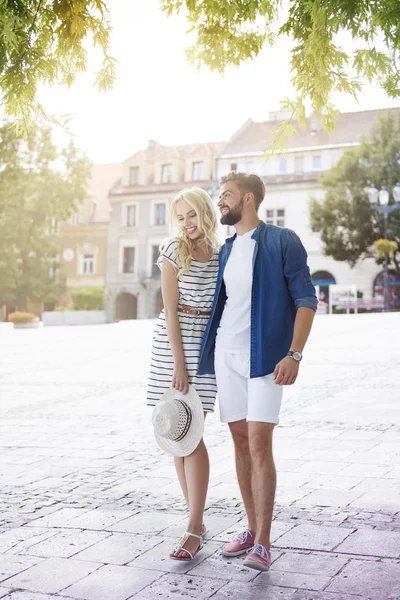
[[192, 438]]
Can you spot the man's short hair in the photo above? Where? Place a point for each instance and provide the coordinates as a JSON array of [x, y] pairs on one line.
[[247, 182]]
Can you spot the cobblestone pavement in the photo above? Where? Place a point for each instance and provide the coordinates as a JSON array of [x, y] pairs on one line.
[[90, 507]]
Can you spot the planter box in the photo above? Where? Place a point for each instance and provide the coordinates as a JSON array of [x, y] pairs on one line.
[[74, 317], [32, 325]]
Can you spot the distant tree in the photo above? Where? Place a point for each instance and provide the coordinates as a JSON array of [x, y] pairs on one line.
[[344, 219], [40, 186], [44, 42]]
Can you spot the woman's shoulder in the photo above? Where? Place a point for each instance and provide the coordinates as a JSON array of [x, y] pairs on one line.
[[171, 243], [169, 250]]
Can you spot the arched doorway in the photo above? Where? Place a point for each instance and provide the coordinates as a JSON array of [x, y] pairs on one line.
[[324, 279], [159, 304], [394, 288], [125, 307]]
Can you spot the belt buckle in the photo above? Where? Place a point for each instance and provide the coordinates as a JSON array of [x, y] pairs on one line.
[[198, 312]]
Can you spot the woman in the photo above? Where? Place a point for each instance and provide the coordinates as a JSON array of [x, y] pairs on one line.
[[189, 267]]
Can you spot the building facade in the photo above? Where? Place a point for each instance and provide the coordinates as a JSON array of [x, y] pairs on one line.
[[140, 203], [83, 238], [139, 222], [293, 178]]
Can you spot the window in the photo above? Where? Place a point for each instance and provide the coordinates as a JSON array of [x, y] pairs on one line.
[[155, 271], [129, 260], [282, 165], [299, 164], [166, 173], [198, 171], [233, 167], [316, 162], [133, 175], [88, 264], [275, 217], [131, 216], [159, 214]]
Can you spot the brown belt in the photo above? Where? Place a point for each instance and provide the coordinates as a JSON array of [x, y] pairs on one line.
[[188, 310]]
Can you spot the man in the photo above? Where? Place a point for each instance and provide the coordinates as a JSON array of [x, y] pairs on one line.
[[263, 310]]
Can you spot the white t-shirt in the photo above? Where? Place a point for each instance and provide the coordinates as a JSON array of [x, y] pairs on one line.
[[234, 329]]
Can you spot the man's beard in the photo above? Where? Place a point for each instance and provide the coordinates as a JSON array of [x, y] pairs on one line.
[[234, 214]]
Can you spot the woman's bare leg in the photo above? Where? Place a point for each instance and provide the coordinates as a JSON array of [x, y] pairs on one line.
[[197, 473]]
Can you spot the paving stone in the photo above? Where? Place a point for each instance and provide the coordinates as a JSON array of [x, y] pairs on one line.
[[64, 544], [373, 543], [111, 581], [18, 538], [28, 596], [294, 580], [77, 452], [146, 522], [321, 467], [313, 537], [59, 518], [98, 519], [12, 565], [306, 595], [377, 501], [322, 564], [52, 575], [325, 497], [334, 482], [377, 580], [253, 590], [118, 549], [180, 588]]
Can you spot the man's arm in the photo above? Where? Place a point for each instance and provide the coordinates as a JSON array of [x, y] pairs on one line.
[[287, 369], [301, 289]]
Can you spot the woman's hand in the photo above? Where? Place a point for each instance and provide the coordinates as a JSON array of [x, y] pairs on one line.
[[180, 380]]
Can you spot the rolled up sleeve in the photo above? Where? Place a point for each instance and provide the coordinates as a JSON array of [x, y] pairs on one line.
[[297, 272]]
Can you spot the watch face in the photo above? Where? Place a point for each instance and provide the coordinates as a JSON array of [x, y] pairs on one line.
[[297, 355]]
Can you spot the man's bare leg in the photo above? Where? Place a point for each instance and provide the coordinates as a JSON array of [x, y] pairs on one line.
[[263, 478], [239, 431]]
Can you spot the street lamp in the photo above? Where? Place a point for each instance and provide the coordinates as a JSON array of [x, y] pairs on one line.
[[384, 209]]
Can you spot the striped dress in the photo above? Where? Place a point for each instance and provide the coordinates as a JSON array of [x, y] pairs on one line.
[[196, 289]]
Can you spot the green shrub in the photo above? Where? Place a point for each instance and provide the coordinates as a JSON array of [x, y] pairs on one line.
[[21, 317], [62, 308], [88, 298]]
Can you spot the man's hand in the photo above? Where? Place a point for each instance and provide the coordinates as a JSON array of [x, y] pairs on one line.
[[286, 371]]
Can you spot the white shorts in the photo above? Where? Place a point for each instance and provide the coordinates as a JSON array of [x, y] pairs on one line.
[[240, 397]]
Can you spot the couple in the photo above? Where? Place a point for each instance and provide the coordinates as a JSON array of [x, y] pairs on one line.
[[235, 320]]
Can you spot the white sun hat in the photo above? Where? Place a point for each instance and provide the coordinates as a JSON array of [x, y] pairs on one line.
[[178, 422]]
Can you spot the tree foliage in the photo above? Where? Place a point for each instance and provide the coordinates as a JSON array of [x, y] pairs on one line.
[[347, 224], [40, 186], [228, 33], [44, 42]]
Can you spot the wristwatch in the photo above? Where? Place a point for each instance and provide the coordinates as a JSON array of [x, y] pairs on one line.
[[297, 356]]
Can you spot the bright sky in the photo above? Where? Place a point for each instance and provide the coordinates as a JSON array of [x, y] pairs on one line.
[[159, 96]]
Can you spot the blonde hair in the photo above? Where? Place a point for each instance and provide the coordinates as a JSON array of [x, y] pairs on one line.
[[201, 202]]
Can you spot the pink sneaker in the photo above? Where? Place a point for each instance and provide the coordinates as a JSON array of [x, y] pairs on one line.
[[259, 558], [241, 543]]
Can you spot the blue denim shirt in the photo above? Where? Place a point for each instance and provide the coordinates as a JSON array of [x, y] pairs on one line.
[[281, 284]]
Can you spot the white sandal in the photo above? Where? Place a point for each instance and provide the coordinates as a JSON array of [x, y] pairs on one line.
[[180, 547]]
